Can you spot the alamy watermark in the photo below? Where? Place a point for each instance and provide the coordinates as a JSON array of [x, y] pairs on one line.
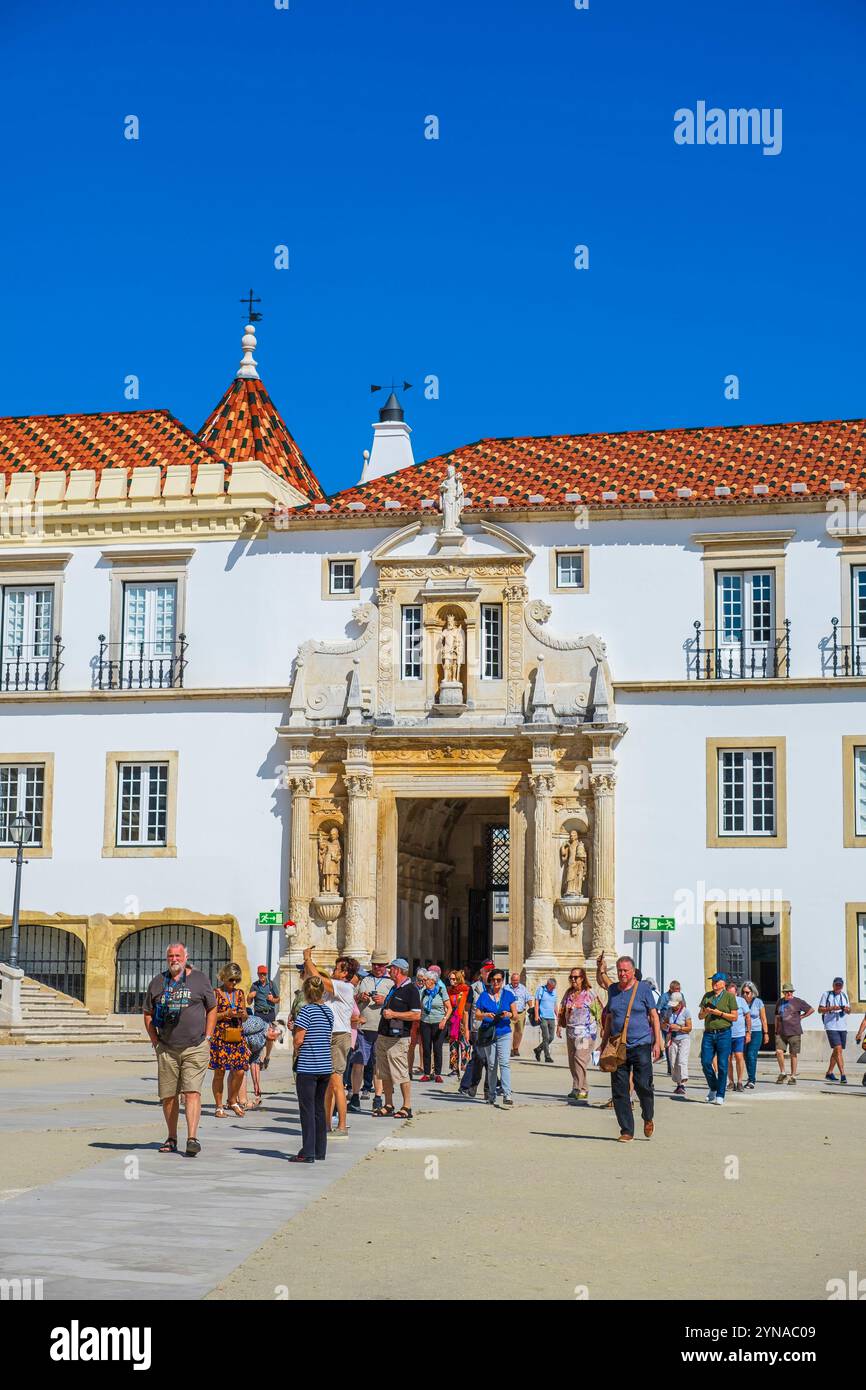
[[736, 126]]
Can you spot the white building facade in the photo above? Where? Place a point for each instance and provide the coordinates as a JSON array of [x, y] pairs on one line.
[[505, 708]]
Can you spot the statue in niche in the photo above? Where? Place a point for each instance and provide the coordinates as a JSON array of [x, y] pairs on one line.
[[573, 857], [452, 499], [330, 861], [452, 648]]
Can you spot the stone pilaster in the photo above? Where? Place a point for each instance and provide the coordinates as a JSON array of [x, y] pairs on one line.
[[603, 917], [361, 866], [302, 784], [542, 781]]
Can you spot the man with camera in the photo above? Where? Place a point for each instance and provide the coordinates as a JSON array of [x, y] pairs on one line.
[[402, 1008]]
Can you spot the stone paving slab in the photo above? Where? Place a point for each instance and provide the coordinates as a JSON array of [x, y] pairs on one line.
[[182, 1224]]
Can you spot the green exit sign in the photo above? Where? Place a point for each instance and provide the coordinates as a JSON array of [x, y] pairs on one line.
[[653, 924], [270, 919]]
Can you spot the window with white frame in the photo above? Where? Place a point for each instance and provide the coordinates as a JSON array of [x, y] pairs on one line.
[[22, 792], [747, 791], [28, 628], [341, 576], [860, 791], [569, 569], [858, 602], [411, 642], [142, 803], [491, 641], [745, 608], [149, 618]]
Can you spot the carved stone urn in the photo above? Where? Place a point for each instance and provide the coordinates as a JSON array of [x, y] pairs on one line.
[[572, 911], [327, 907]]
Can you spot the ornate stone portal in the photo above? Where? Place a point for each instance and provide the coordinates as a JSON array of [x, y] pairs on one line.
[[489, 708]]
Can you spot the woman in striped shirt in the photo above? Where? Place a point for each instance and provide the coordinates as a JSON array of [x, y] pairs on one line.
[[312, 1040]]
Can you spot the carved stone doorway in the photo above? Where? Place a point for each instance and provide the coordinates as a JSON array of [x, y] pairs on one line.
[[452, 880]]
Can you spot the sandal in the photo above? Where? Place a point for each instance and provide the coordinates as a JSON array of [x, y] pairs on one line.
[[238, 1109], [403, 1114], [168, 1146], [384, 1113], [220, 1113]]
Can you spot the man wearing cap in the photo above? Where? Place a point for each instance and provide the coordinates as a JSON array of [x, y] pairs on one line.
[[370, 995], [834, 1006], [401, 1008], [545, 1015], [264, 1000], [718, 1010], [790, 1012]]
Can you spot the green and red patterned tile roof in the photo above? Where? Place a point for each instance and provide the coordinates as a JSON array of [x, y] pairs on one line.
[[721, 465], [247, 425], [109, 439]]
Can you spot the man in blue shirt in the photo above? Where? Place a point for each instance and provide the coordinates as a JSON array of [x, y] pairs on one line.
[[522, 996], [643, 1046], [545, 1015]]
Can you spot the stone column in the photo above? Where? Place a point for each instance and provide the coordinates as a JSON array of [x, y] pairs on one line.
[[301, 866], [386, 876], [542, 781], [361, 866], [603, 917]]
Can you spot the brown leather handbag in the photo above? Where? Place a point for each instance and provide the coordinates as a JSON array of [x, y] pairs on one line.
[[613, 1053], [232, 1033]]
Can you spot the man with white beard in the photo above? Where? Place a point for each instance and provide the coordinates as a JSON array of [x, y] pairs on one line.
[[179, 1015]]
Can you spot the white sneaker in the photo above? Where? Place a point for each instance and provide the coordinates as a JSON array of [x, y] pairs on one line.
[[719, 1100]]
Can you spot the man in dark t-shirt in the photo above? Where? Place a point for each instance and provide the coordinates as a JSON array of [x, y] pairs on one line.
[[179, 1015], [402, 1008], [643, 1046]]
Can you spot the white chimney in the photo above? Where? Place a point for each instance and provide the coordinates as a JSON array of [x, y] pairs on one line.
[[392, 447]]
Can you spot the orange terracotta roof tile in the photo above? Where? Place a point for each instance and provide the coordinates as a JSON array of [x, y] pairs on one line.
[[109, 439], [247, 425], [720, 465]]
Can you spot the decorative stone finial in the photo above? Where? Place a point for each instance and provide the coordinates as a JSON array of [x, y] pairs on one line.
[[248, 367]]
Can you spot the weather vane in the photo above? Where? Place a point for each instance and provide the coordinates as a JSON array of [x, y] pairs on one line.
[[407, 386], [250, 300]]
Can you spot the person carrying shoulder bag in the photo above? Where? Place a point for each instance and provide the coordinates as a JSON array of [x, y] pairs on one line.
[[630, 1043]]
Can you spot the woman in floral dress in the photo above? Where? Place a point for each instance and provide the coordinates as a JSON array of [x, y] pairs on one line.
[[228, 1051], [458, 1023]]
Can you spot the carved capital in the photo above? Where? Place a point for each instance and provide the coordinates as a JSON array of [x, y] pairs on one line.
[[602, 783], [358, 783], [301, 784], [542, 783], [515, 593]]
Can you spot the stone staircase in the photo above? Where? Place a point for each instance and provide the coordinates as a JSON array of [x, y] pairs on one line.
[[51, 1017]]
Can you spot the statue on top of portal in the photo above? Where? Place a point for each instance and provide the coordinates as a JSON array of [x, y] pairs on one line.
[[452, 649], [452, 498]]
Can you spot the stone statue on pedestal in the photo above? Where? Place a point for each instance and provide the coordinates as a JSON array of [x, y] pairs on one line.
[[330, 861], [452, 498], [573, 857], [451, 650]]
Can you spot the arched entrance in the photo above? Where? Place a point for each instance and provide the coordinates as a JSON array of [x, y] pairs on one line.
[[49, 955], [141, 955]]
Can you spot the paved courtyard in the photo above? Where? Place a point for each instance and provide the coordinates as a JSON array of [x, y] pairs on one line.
[[763, 1199]]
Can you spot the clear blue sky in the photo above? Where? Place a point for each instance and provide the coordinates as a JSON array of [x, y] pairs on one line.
[[409, 256]]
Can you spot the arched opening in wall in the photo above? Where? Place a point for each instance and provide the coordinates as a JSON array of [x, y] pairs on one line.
[[452, 881], [49, 955], [141, 956]]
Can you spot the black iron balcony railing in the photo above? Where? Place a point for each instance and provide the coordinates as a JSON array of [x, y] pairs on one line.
[[843, 653], [30, 668], [710, 658], [140, 665]]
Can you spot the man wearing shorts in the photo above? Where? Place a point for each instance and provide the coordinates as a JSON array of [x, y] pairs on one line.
[[179, 1015], [369, 996], [340, 999], [790, 1012], [834, 1006], [401, 1009]]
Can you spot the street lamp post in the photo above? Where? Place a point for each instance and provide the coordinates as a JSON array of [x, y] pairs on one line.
[[20, 833]]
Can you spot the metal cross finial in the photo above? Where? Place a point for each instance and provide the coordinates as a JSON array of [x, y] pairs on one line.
[[251, 299]]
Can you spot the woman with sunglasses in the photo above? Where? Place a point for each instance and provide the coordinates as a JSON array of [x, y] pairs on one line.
[[496, 1007], [579, 1014]]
